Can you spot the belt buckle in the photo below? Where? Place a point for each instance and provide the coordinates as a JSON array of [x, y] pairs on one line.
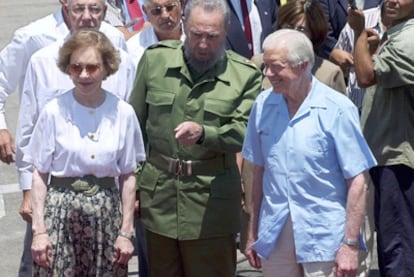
[[188, 167], [180, 167], [175, 166], [80, 185]]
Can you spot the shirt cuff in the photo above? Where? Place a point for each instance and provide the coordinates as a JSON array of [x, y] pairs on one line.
[[25, 180], [3, 124]]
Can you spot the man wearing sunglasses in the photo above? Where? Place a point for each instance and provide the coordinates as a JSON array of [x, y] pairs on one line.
[[165, 19], [43, 81], [193, 99]]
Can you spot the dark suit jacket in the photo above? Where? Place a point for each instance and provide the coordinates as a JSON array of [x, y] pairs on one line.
[[236, 40], [336, 12]]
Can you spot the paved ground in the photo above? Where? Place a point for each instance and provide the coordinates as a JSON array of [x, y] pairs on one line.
[[14, 14]]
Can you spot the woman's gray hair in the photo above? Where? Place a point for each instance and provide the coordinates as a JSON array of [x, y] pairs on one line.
[[298, 45], [210, 6]]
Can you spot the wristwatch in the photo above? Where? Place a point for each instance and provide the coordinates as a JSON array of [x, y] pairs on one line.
[[351, 242], [129, 236]]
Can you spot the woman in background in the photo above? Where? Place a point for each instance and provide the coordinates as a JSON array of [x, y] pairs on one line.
[[307, 17]]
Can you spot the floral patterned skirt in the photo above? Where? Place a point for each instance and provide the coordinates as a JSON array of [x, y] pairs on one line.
[[82, 230]]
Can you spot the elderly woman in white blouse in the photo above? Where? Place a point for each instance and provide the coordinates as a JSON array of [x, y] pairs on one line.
[[84, 140]]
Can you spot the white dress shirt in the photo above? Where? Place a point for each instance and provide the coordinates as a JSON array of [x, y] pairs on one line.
[[72, 140], [141, 41], [26, 41], [15, 56], [255, 22], [44, 81]]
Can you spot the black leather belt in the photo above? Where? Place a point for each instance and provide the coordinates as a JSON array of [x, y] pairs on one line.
[[177, 166], [88, 184]]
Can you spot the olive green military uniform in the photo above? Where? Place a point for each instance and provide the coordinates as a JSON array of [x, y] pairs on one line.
[[192, 192]]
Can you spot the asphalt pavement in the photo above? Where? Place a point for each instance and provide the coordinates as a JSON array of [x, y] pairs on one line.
[[14, 14]]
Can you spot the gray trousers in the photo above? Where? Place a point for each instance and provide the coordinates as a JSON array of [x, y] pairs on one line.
[[26, 261]]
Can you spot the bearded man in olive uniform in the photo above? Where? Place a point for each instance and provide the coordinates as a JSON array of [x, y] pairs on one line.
[[193, 100]]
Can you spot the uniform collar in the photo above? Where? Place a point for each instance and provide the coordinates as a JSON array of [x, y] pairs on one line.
[[218, 72]]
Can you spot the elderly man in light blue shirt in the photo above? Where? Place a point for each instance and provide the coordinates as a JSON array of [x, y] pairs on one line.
[[309, 190]]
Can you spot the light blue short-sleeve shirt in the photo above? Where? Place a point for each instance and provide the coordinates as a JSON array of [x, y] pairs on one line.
[[307, 160]]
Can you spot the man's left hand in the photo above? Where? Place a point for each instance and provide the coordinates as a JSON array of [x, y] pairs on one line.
[[346, 261], [188, 132]]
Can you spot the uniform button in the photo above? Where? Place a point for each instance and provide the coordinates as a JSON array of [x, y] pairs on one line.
[[92, 156], [91, 112]]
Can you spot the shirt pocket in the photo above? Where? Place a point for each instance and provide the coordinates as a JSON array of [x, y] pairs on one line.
[[159, 102], [218, 111], [147, 180]]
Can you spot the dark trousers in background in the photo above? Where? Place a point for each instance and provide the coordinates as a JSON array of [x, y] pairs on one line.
[[394, 219], [169, 257], [141, 249]]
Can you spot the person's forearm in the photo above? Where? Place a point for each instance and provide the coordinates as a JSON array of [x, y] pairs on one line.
[[364, 66], [127, 190], [355, 207], [256, 202], [39, 192]]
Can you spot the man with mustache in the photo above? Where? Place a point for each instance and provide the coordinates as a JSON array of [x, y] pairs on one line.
[[193, 100], [165, 19]]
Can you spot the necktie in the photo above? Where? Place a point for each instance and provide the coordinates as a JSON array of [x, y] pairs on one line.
[[247, 26], [135, 13]]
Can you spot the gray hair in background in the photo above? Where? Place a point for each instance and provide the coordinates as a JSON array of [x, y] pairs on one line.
[[70, 2], [146, 3], [210, 6], [298, 45]]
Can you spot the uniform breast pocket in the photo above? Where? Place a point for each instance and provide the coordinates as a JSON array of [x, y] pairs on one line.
[[160, 102], [217, 111]]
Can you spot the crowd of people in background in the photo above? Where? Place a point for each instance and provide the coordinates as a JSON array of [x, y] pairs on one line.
[[185, 129]]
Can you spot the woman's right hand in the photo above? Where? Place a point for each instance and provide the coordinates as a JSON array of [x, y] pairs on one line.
[[124, 249], [42, 249]]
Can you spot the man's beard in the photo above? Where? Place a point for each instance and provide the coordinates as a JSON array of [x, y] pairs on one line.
[[201, 66]]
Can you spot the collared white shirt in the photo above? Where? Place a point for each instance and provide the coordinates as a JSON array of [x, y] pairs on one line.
[[26, 41], [15, 56], [72, 140], [44, 81], [141, 41], [255, 22]]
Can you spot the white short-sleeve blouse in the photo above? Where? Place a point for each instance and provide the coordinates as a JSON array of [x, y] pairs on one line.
[[72, 140]]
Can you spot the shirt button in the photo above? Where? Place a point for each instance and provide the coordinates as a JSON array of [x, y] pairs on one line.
[[91, 112], [92, 156]]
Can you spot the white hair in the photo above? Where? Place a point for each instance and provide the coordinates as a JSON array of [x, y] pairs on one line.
[[70, 2], [298, 45]]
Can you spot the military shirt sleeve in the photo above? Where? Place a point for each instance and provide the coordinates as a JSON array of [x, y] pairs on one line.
[[229, 137]]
